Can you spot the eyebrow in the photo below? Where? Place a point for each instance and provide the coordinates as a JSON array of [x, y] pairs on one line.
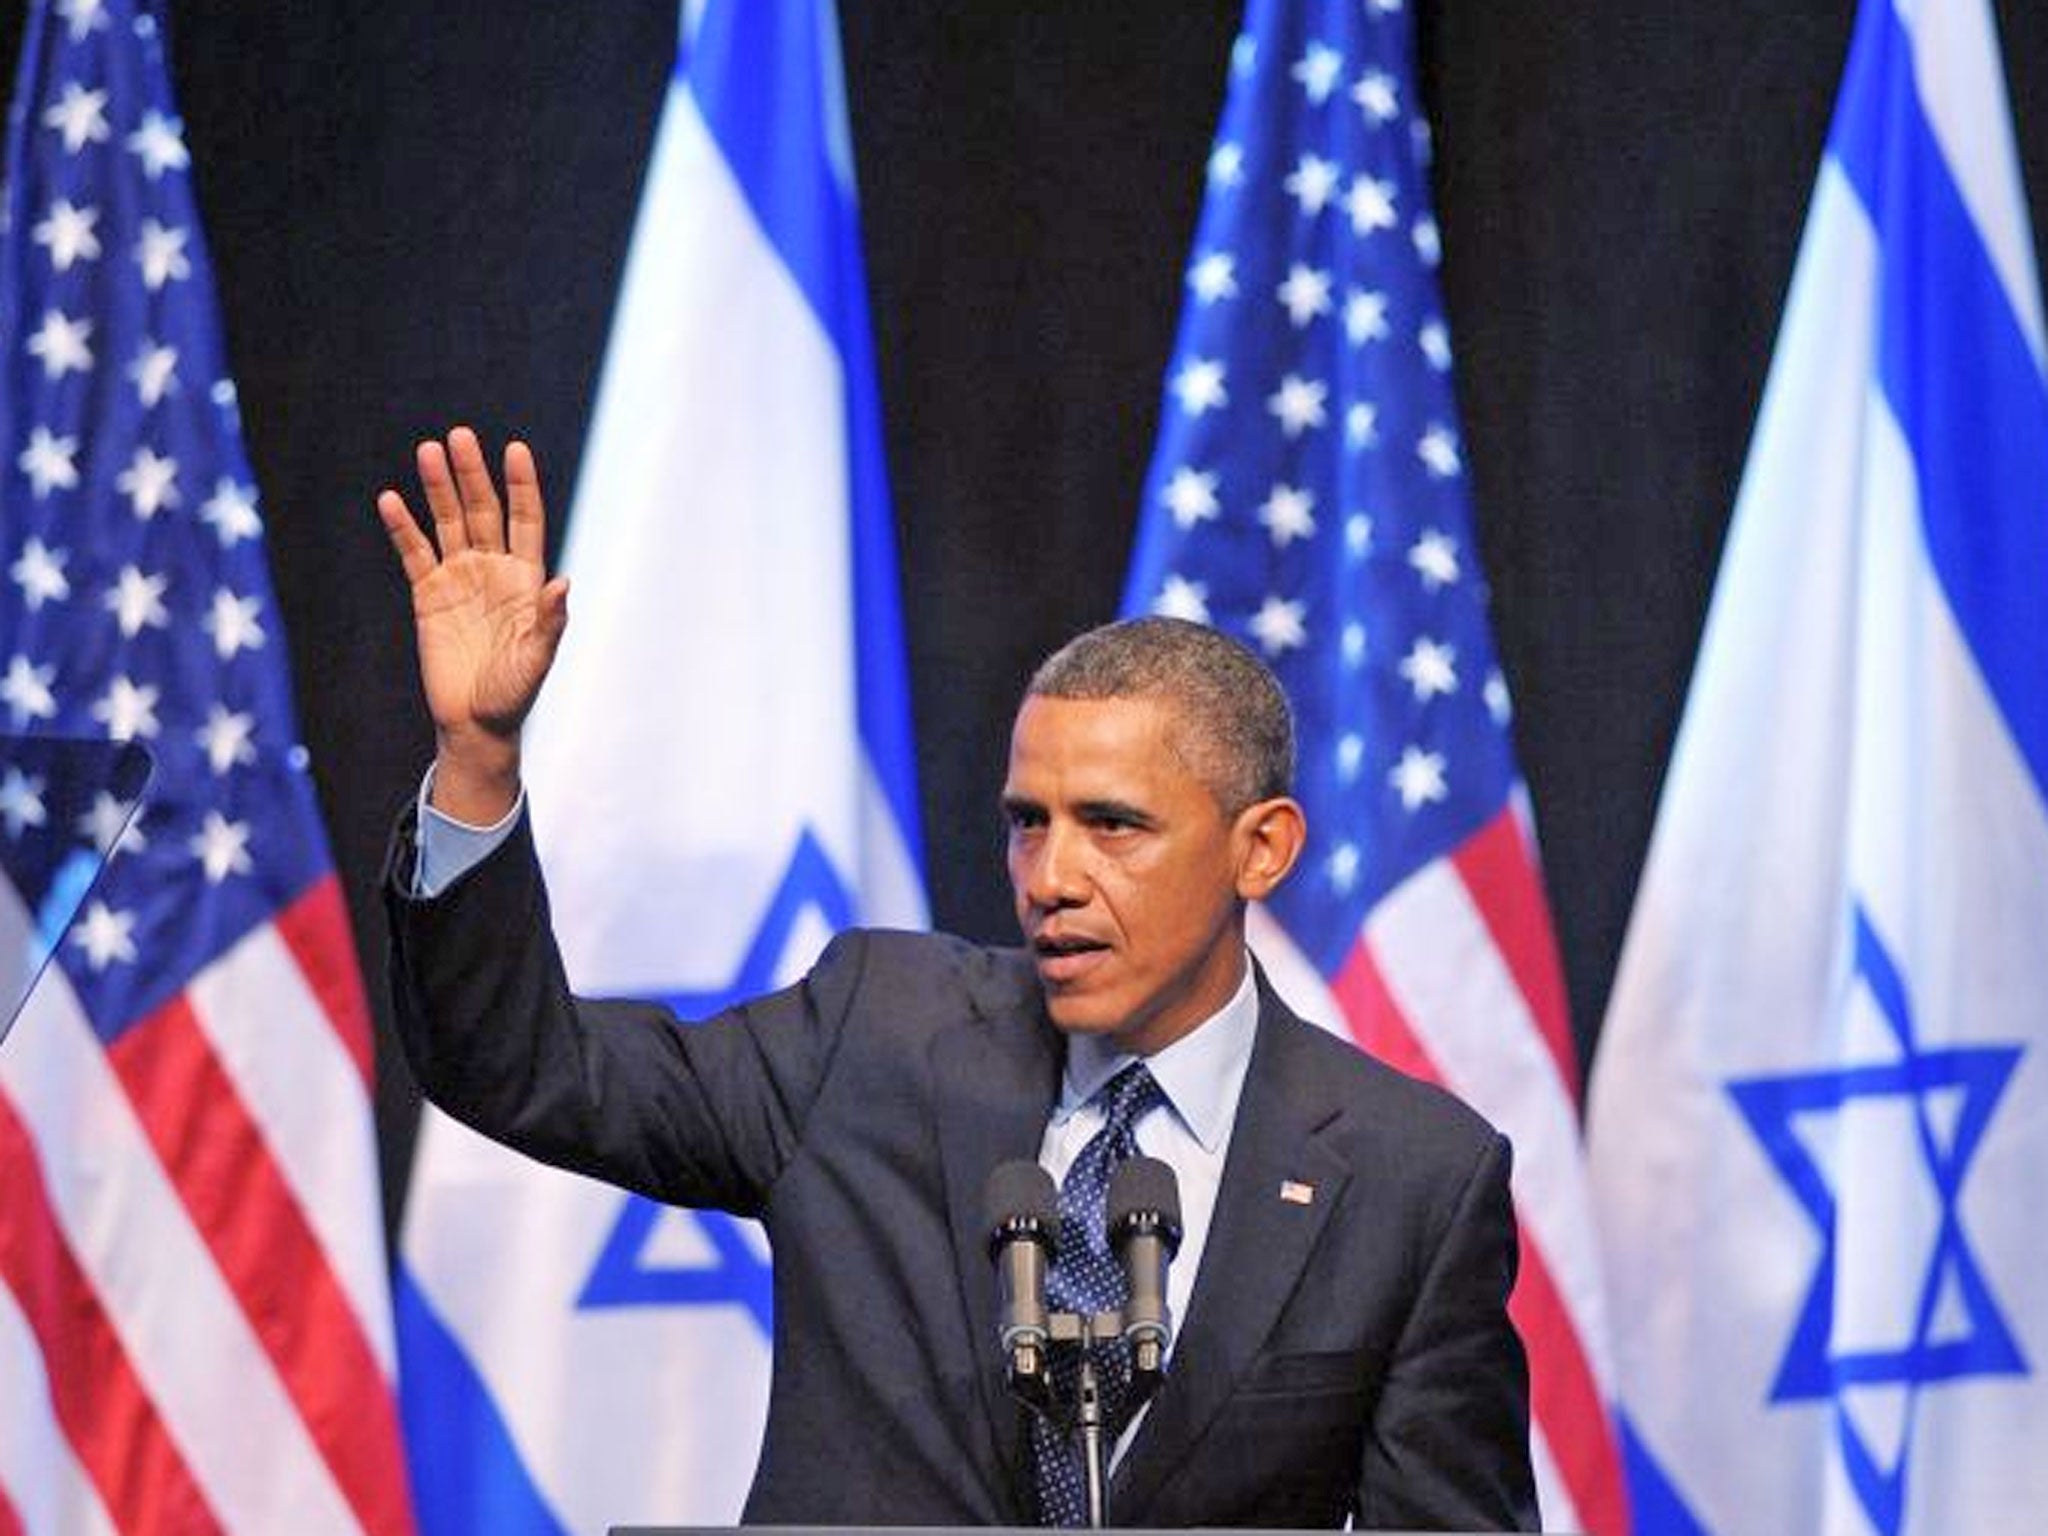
[[1115, 810]]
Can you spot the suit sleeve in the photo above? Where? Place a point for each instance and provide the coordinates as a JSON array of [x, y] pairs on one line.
[[701, 1114], [1448, 1446]]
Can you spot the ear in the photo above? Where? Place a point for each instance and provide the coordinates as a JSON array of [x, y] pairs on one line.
[[1269, 835]]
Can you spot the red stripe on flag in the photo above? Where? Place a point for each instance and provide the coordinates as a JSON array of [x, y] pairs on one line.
[[1563, 1396], [1497, 869], [10, 1517], [215, 1154], [315, 929], [114, 1429], [1376, 1020]]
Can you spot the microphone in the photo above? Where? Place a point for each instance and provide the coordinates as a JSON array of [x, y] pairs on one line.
[[1022, 1208], [1142, 1212]]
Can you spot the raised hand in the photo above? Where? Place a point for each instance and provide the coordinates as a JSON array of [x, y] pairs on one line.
[[488, 618]]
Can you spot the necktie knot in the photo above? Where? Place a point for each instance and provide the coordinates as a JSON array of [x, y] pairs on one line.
[[1125, 1099]]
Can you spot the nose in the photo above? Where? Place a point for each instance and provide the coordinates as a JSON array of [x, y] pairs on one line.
[[1049, 869]]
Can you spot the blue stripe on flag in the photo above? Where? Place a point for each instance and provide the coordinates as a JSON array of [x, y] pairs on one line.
[[1967, 392], [768, 82], [1656, 1507], [755, 71], [466, 1474]]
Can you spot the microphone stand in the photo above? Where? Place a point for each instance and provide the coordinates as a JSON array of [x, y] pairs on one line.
[[1086, 1331]]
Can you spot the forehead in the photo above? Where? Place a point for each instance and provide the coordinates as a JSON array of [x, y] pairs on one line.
[[1081, 748]]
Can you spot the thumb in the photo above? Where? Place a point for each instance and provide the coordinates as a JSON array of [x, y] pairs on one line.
[[551, 614]]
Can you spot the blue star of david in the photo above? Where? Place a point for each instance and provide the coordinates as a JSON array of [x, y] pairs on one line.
[[1813, 1367], [624, 1275]]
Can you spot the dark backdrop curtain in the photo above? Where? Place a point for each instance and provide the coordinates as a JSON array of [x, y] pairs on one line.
[[418, 209]]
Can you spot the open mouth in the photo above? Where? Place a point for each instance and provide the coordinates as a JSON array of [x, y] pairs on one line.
[[1063, 957]]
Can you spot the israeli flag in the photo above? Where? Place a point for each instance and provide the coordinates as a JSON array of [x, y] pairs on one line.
[[720, 776], [1820, 1110]]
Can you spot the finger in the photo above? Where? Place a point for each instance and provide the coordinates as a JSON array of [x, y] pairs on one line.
[[415, 552], [528, 532], [551, 612], [438, 485], [481, 513]]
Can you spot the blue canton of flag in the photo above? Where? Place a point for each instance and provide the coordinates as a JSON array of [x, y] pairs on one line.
[[191, 1269], [1820, 1113], [720, 777], [1308, 495]]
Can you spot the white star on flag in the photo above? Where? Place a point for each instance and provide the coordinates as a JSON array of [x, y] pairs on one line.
[[47, 461], [39, 572], [1370, 203], [1226, 166], [1365, 316], [1428, 244], [225, 738], [231, 512], [1435, 342], [1288, 514], [137, 601], [150, 482], [105, 935], [1342, 866], [1351, 644], [1199, 386], [232, 623], [128, 709], [159, 144], [1278, 625], [1305, 294], [1317, 70], [1214, 277], [1190, 496], [80, 116], [104, 824], [1298, 404], [222, 847], [1438, 450], [160, 252], [1376, 96], [1312, 183], [1430, 668], [26, 691], [21, 802], [1361, 424], [1434, 557], [82, 17], [154, 373], [1418, 778], [61, 343], [67, 233], [1180, 598]]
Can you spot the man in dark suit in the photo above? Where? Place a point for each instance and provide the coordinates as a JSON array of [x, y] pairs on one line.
[[1350, 1240]]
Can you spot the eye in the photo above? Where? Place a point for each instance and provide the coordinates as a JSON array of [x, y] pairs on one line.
[[1022, 818], [1114, 823]]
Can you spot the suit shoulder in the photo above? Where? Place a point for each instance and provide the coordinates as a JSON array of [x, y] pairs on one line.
[[1389, 1100], [901, 961]]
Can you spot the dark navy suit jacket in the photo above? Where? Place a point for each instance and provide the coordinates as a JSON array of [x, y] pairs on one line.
[[1347, 1355]]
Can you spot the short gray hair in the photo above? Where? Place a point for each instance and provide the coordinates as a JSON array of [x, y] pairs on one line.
[[1235, 732]]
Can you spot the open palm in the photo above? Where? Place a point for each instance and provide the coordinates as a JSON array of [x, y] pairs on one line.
[[488, 619]]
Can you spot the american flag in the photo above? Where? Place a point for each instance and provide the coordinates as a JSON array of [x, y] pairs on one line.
[[1308, 494], [194, 1326]]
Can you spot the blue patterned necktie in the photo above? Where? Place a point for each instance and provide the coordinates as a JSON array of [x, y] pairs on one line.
[[1085, 1277]]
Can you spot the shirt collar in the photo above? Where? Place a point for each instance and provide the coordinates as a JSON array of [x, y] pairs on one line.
[[1200, 1073]]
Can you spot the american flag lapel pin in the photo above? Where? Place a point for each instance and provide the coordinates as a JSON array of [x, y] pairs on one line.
[[1294, 1192]]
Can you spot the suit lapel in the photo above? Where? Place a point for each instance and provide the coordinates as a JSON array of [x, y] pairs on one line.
[[995, 1082], [1258, 1244]]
